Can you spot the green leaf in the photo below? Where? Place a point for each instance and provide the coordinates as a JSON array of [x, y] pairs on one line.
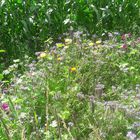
[[18, 101], [134, 51], [2, 51], [1, 76], [19, 1], [65, 114], [96, 11]]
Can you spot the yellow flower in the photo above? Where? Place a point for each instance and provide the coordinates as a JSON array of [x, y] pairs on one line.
[[68, 41], [73, 69], [66, 47], [85, 48], [91, 44], [98, 42], [42, 55], [59, 45], [59, 59]]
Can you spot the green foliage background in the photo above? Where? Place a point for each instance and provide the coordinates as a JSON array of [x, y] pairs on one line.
[[26, 24]]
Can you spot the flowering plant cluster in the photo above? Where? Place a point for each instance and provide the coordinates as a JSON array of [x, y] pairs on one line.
[[77, 88]]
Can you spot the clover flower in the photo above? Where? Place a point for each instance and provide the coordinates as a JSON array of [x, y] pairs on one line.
[[5, 107]]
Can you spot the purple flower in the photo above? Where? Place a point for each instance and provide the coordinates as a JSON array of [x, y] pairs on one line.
[[136, 125], [130, 135], [5, 91], [116, 33], [5, 106], [80, 96]]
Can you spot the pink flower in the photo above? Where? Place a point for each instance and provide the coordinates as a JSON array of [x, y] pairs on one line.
[[138, 40], [5, 106], [124, 46], [123, 37], [129, 35]]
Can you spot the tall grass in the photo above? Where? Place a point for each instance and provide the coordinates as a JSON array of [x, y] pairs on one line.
[[25, 25]]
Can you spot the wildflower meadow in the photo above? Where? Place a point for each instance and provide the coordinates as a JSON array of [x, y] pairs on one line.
[[70, 70]]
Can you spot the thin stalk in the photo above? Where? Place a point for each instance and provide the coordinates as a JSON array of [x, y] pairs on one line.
[[6, 129]]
